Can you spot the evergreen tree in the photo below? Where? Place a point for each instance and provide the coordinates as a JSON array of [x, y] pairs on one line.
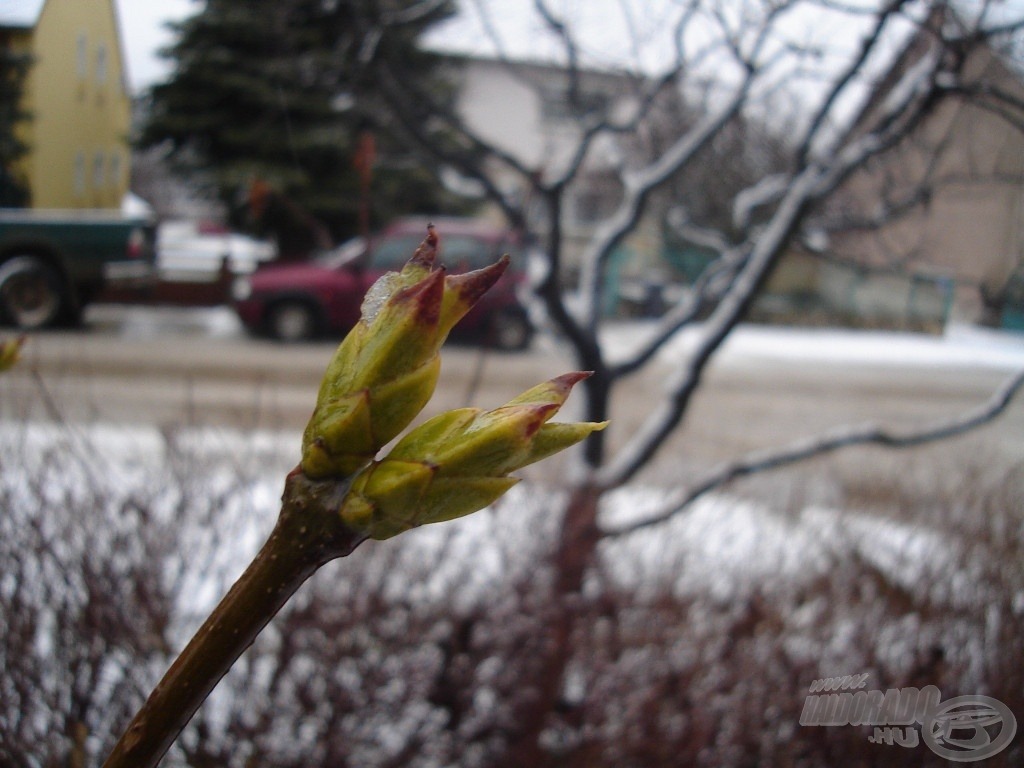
[[277, 90], [14, 68]]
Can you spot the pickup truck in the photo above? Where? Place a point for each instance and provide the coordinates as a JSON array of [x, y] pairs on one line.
[[52, 263]]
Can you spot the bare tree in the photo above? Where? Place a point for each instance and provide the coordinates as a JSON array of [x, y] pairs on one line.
[[855, 93]]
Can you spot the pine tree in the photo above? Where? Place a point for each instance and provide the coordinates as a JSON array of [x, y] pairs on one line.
[[14, 67], [276, 90]]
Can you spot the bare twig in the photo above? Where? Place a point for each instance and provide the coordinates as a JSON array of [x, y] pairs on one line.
[[802, 450], [905, 105]]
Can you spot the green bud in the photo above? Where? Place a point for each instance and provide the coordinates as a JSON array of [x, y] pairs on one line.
[[458, 462], [386, 368], [10, 352]]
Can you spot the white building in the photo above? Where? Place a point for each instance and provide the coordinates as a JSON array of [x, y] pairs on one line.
[[536, 113]]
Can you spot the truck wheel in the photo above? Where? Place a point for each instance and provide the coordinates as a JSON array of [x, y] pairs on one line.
[[30, 292], [292, 321]]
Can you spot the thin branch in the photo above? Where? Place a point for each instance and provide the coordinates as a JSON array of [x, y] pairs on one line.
[[638, 187], [712, 238], [907, 103], [709, 288], [849, 75], [603, 126], [977, 92], [767, 190], [1012, 118], [402, 100], [308, 534], [803, 450], [414, 13], [663, 420], [561, 31]]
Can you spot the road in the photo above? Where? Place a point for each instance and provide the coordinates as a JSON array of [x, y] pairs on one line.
[[169, 367]]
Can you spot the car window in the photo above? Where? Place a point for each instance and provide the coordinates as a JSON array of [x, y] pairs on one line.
[[457, 251], [393, 252], [346, 253], [474, 253], [468, 251]]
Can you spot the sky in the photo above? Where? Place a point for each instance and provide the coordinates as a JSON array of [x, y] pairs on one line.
[[143, 33], [604, 24]]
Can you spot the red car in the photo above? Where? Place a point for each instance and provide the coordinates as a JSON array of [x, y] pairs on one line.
[[294, 302]]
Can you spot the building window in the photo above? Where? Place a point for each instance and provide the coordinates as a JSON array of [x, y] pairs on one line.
[[101, 64], [98, 168], [79, 175], [596, 198], [556, 105], [82, 56], [115, 169]]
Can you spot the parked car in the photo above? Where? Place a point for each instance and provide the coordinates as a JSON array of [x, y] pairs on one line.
[[53, 263], [197, 252], [293, 302]]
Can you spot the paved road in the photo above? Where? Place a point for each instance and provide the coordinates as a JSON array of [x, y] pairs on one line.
[[173, 367], [160, 366]]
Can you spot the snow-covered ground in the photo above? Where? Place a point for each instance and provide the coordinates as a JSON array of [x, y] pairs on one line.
[[725, 544], [959, 346], [967, 346]]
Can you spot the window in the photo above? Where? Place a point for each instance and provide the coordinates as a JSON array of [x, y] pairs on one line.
[[556, 104], [79, 175], [594, 198], [82, 56], [101, 64], [115, 169], [457, 251], [393, 252], [98, 169]]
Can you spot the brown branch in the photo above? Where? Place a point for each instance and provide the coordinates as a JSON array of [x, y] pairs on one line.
[[802, 450], [309, 533]]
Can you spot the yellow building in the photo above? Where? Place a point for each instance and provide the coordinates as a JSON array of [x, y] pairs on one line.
[[77, 94]]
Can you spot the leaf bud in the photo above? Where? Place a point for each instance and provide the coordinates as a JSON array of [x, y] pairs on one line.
[[459, 462]]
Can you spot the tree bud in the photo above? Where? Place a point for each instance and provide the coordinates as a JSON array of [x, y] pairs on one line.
[[458, 462], [385, 370], [10, 352]]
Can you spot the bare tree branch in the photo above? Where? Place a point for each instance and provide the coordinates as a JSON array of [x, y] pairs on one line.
[[713, 283], [856, 65], [638, 187], [902, 108], [802, 450], [562, 32]]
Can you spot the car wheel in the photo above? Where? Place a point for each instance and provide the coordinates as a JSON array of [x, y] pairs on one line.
[[30, 292], [510, 331], [292, 321]]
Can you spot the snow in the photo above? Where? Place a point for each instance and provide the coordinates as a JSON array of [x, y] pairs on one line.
[[20, 13], [960, 346], [721, 547]]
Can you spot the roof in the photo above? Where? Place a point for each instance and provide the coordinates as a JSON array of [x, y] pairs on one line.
[[20, 13]]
